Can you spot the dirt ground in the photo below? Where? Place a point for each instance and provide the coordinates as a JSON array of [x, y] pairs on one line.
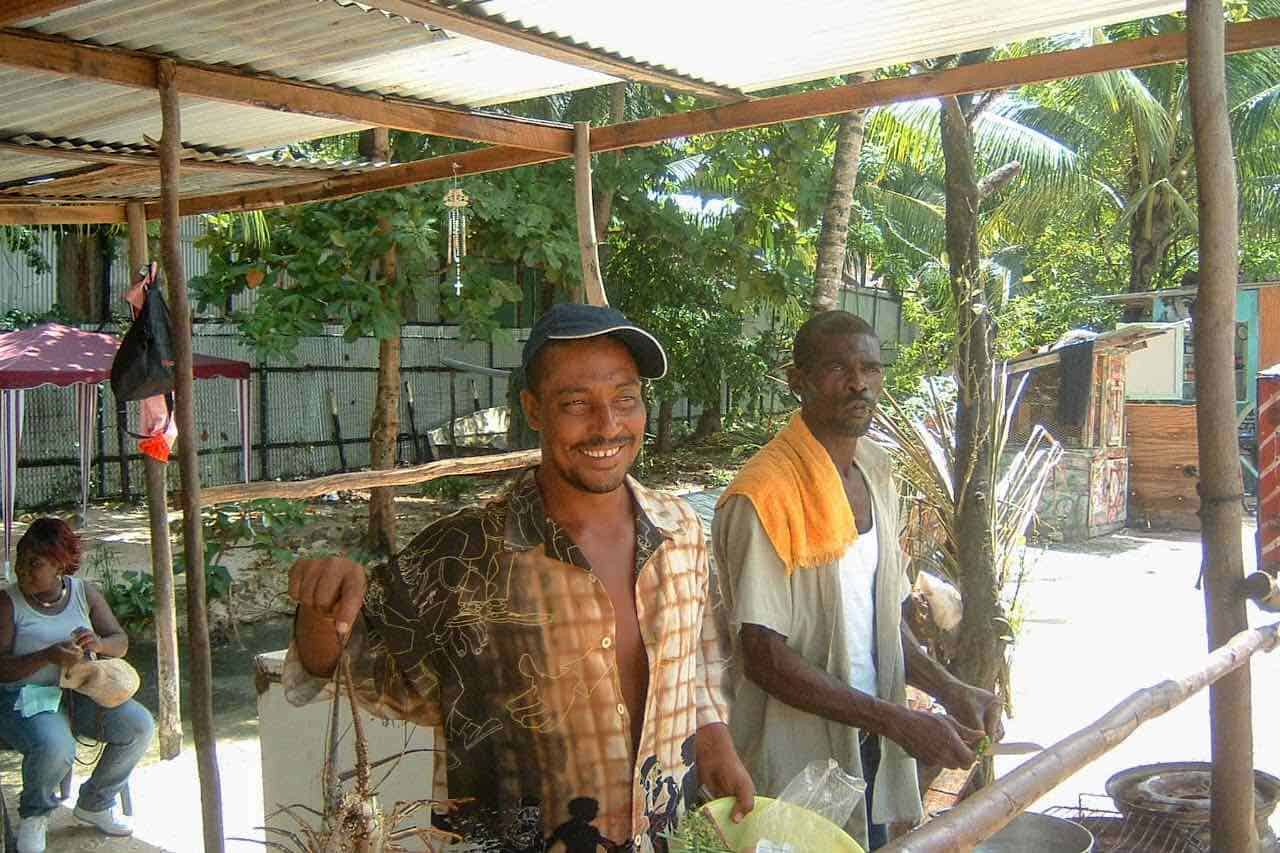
[[1100, 620]]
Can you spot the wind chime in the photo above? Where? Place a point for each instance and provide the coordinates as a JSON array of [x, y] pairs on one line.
[[457, 202]]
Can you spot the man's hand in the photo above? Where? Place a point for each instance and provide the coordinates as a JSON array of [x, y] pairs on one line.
[[63, 654], [937, 739], [977, 709], [721, 771], [331, 587]]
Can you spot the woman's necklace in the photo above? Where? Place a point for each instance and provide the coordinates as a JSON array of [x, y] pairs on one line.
[[56, 601]]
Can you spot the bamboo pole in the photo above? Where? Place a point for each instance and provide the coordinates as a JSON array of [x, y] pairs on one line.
[[983, 814], [592, 283], [299, 489], [1221, 488], [169, 721], [200, 671]]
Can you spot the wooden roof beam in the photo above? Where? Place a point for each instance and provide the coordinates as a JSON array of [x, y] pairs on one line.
[[1156, 50], [492, 29], [493, 159], [71, 214], [125, 158], [16, 11], [987, 76], [136, 69]]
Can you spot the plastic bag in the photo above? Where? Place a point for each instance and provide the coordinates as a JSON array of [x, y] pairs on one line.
[[822, 789]]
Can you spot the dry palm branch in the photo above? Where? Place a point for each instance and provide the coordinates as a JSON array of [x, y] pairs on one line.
[[923, 445]]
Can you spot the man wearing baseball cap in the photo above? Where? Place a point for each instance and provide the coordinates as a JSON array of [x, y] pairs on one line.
[[563, 636]]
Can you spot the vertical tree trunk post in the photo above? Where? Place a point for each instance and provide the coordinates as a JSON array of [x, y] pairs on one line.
[[200, 670], [1221, 489], [592, 283], [980, 653], [834, 237], [384, 431], [169, 723], [602, 203]]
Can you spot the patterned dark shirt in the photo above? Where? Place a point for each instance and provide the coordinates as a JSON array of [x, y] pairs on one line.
[[491, 626]]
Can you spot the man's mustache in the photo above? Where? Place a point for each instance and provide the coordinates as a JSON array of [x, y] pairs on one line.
[[602, 443]]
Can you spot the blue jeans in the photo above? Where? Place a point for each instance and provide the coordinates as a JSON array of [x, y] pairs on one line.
[[48, 746]]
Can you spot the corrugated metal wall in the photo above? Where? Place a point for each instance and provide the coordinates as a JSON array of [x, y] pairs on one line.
[[23, 288]]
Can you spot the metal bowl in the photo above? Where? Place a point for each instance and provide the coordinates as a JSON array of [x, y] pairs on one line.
[[1032, 832]]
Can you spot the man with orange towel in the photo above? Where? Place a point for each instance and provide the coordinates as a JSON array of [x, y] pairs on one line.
[[806, 538]]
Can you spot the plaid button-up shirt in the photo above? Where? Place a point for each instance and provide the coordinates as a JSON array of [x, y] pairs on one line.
[[491, 625]]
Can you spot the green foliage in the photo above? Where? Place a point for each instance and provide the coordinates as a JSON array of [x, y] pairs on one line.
[[15, 318], [131, 596], [447, 489], [320, 267], [269, 527], [22, 240]]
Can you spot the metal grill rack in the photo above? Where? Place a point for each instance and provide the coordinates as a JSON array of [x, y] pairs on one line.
[[1137, 832]]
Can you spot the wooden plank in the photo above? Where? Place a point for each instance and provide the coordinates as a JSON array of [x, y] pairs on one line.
[[298, 489], [1136, 53], [83, 182], [70, 214], [495, 158], [21, 49], [189, 163], [200, 672], [1268, 327], [477, 25], [17, 11], [1164, 466]]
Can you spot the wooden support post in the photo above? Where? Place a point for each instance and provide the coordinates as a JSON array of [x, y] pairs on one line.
[[384, 427], [169, 722], [200, 672], [1221, 487], [592, 283]]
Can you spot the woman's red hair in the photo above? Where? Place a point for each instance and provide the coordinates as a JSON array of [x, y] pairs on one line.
[[54, 540]]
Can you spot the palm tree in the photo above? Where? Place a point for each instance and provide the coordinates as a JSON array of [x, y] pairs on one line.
[[1132, 134]]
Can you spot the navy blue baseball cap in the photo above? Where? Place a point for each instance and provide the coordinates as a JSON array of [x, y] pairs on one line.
[[573, 321]]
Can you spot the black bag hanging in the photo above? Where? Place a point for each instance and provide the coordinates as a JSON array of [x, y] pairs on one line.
[[143, 366]]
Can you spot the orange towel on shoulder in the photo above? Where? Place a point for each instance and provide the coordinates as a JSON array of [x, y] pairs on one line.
[[799, 497]]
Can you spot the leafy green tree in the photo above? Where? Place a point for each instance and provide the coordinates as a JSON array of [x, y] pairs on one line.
[[1132, 131]]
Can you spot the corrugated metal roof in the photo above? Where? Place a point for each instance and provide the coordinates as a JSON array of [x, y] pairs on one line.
[[340, 43], [759, 47], [322, 41]]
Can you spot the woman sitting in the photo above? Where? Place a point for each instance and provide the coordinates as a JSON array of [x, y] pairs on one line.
[[50, 619]]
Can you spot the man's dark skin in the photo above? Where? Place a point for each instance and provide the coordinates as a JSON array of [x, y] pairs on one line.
[[838, 391], [588, 409]]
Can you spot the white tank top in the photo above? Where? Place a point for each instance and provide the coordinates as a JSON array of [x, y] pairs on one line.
[[34, 630], [858, 586]]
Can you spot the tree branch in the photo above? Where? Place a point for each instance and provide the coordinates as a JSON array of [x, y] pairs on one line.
[[997, 179]]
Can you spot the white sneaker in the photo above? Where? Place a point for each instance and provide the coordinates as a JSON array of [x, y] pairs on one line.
[[31, 832], [108, 821]]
